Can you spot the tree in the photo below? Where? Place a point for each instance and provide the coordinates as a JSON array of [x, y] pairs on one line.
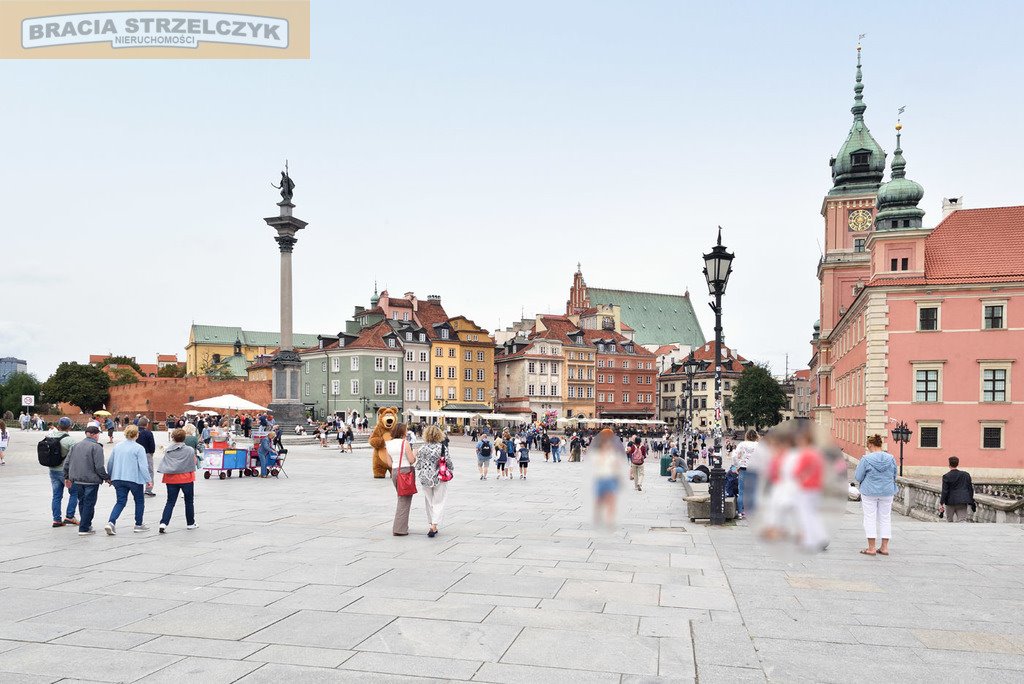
[[119, 361], [85, 386], [11, 391], [758, 398], [123, 376], [216, 371], [171, 370]]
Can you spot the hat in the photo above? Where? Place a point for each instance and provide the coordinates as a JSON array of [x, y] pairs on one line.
[[92, 430], [64, 423]]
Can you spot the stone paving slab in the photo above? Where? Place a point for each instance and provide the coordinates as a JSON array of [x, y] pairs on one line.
[[286, 580]]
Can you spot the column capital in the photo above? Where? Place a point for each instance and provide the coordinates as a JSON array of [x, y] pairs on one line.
[[286, 243]]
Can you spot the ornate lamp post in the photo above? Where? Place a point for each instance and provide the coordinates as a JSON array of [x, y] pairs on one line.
[[717, 269], [901, 433], [285, 401]]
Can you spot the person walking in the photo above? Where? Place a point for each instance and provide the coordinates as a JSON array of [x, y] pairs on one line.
[[428, 463], [524, 460], [741, 460], [85, 472], [5, 439], [129, 472], [148, 443], [876, 477], [179, 476], [484, 449], [109, 425], [556, 449], [637, 453], [59, 438], [545, 445], [400, 453], [957, 493]]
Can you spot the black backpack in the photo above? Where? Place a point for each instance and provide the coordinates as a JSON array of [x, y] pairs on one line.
[[49, 452], [485, 448]]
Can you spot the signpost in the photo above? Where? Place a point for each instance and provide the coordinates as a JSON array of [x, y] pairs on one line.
[[28, 401]]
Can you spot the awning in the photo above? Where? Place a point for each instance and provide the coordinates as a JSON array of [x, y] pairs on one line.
[[523, 418], [440, 414], [611, 421]]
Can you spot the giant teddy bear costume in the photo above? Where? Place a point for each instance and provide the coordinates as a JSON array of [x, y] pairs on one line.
[[387, 419]]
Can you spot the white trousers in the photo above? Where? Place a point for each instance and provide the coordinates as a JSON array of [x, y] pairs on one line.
[[877, 516], [434, 497], [813, 535]]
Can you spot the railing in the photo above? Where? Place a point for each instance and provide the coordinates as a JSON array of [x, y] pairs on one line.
[[1000, 490], [919, 499]]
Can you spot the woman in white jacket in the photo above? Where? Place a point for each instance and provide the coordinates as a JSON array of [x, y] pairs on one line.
[[741, 460]]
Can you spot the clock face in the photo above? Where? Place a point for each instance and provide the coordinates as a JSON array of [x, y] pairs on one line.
[[860, 220]]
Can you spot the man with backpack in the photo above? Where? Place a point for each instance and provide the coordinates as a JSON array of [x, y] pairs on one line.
[[545, 445], [53, 450], [637, 453], [484, 449]]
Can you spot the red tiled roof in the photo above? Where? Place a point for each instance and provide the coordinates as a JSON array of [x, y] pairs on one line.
[[971, 246], [557, 328], [803, 374], [665, 349], [400, 303], [167, 357], [148, 368], [372, 337], [428, 314], [97, 358], [706, 353]]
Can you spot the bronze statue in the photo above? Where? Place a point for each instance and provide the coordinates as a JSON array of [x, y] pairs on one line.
[[287, 186]]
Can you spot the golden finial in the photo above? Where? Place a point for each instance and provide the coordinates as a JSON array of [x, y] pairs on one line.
[[899, 126]]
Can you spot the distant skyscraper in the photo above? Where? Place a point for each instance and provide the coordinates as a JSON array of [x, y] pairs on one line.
[[10, 365]]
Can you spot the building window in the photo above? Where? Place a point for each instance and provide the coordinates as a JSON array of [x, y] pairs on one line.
[[423, 357], [305, 389], [451, 393], [424, 395], [625, 397], [410, 394], [993, 317], [625, 379], [728, 385], [554, 368], [467, 374], [543, 367], [410, 356], [378, 387], [926, 384], [530, 390], [625, 364], [423, 376], [437, 393], [468, 394], [860, 158], [468, 355], [335, 387], [354, 387], [323, 366], [904, 264], [543, 390], [378, 363], [480, 394], [600, 397], [531, 367], [611, 378], [423, 337], [993, 384], [393, 364], [590, 392], [408, 337], [572, 392], [305, 367], [451, 353], [991, 436], [611, 363], [600, 377], [438, 372], [479, 356], [336, 364], [928, 318], [410, 375], [451, 372], [480, 374], [323, 389], [438, 351], [444, 333], [611, 397], [392, 342], [928, 436], [858, 244]]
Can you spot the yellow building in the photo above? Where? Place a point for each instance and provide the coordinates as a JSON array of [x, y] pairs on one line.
[[462, 366], [210, 344]]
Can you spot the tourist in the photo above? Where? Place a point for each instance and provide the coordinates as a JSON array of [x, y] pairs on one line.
[[428, 471], [84, 471], [179, 476], [545, 445], [524, 459], [147, 442], [484, 448], [401, 459], [23, 420], [4, 440], [876, 478], [575, 448], [606, 459], [109, 425], [677, 466], [64, 441], [957, 493], [637, 453], [556, 445], [265, 453], [129, 471], [246, 427], [741, 461], [349, 437]]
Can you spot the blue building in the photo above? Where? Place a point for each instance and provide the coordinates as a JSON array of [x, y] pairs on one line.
[[10, 365]]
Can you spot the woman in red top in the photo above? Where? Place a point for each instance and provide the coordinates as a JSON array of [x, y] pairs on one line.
[[179, 469]]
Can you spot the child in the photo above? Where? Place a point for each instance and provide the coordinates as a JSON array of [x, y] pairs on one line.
[[4, 439], [524, 459], [501, 457]]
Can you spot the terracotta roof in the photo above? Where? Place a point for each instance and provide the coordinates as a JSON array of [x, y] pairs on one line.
[[706, 353], [665, 349], [557, 328], [971, 246], [167, 357], [803, 374], [372, 337], [149, 368], [400, 303], [97, 358], [430, 313]]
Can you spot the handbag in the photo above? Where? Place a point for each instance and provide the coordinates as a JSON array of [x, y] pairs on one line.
[[444, 473], [405, 483]]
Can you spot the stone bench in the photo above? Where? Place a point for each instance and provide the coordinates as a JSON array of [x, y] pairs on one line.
[[698, 506]]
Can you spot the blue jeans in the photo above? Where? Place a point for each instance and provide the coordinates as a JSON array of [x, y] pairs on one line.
[[122, 487], [555, 453], [188, 491], [57, 485], [265, 460], [747, 500], [87, 494]]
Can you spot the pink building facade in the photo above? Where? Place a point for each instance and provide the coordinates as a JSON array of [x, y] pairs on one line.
[[922, 325]]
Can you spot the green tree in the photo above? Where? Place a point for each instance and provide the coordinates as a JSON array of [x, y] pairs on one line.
[[120, 360], [83, 385], [758, 399], [123, 376], [11, 391], [171, 370]]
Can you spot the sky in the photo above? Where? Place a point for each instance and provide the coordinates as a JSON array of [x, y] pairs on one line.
[[478, 151]]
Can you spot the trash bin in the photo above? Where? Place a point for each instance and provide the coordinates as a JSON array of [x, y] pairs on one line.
[[666, 464]]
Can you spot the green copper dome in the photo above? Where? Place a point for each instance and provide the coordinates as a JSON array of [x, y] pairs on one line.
[[897, 200], [860, 163]]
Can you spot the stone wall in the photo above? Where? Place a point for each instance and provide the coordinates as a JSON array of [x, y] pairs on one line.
[[159, 397]]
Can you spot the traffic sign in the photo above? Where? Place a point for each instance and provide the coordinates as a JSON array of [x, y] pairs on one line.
[[28, 400]]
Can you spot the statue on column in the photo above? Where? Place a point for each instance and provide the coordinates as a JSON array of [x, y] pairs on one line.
[[287, 186]]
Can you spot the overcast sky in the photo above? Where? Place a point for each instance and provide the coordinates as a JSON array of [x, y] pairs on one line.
[[478, 150]]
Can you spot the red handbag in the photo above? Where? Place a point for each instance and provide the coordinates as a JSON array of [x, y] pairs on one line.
[[405, 483], [444, 473]]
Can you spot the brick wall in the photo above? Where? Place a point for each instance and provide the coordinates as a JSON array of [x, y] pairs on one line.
[[158, 397]]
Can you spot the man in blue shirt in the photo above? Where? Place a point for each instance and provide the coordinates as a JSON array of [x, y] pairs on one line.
[[484, 450]]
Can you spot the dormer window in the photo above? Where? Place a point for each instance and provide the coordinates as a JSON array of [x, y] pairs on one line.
[[444, 333], [423, 337], [408, 337], [860, 158], [391, 341]]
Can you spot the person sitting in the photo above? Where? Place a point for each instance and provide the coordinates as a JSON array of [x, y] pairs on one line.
[[299, 430], [699, 474], [266, 453]]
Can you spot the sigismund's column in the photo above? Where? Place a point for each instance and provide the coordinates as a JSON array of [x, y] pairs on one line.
[[286, 402]]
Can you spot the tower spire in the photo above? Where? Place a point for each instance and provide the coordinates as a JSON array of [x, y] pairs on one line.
[[858, 90], [897, 200], [860, 163]]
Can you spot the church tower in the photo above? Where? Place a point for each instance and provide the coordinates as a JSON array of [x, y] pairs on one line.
[[849, 213], [579, 299]]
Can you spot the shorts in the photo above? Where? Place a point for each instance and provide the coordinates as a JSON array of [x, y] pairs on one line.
[[481, 459], [606, 485]]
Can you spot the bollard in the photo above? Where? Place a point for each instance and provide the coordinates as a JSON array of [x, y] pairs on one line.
[[716, 488]]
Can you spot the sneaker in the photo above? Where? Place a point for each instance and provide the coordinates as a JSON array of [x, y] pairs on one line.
[[163, 528], [70, 521], [87, 532], [57, 523], [150, 493], [141, 528], [109, 527], [191, 527]]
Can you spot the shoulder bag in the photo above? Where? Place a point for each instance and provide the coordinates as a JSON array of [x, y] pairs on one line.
[[405, 483], [444, 473]]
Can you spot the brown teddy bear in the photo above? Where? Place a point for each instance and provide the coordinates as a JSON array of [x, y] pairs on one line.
[[387, 419]]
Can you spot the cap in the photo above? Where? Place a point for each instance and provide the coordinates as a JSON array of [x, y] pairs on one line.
[[92, 430], [64, 423]]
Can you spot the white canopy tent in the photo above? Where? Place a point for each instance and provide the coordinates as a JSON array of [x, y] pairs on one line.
[[441, 414], [611, 421], [228, 402], [506, 417]]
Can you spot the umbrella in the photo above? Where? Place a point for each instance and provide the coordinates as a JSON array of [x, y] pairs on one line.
[[228, 402], [101, 413], [193, 412]]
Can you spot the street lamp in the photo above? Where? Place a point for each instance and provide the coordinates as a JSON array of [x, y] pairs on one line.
[[690, 367], [717, 269], [901, 433]]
